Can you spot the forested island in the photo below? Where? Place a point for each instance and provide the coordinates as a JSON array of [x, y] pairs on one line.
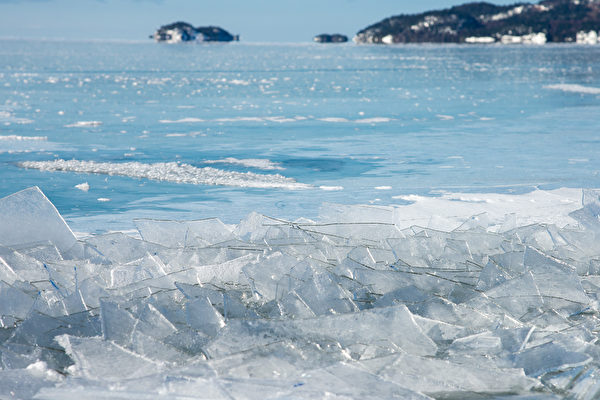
[[184, 32]]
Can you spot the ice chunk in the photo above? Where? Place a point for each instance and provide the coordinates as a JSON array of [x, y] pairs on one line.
[[202, 315], [433, 376], [485, 344], [514, 340], [279, 360], [325, 296], [556, 281], [14, 303], [549, 357], [398, 328], [395, 324], [587, 384], [351, 381], [268, 275], [24, 383], [152, 321], [29, 217], [518, 296], [254, 227], [491, 275], [588, 216], [117, 323], [198, 233], [169, 386], [225, 272], [120, 248], [440, 332], [97, 359]]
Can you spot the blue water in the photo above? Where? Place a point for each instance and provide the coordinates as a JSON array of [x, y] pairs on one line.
[[376, 121]]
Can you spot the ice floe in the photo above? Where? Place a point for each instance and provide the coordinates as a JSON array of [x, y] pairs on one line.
[[171, 172], [84, 187], [8, 118], [279, 119], [22, 138], [84, 124], [181, 121], [13, 144], [574, 88], [331, 188]]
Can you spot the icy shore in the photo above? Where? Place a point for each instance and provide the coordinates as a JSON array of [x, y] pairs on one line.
[[416, 302]]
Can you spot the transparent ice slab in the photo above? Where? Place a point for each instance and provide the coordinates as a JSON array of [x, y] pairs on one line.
[[29, 217]]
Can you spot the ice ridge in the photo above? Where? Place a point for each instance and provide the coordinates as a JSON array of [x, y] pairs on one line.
[[171, 172], [351, 306]]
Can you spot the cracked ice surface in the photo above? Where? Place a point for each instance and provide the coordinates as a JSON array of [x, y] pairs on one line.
[[356, 305]]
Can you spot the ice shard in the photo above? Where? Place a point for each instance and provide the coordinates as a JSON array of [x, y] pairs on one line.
[[29, 217]]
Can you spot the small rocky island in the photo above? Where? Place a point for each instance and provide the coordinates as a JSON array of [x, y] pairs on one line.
[[334, 38], [546, 21], [183, 32]]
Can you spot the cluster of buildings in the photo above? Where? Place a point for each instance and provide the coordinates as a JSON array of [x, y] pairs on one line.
[[582, 37]]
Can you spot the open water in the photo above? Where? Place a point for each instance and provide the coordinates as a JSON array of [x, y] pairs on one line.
[[169, 131]]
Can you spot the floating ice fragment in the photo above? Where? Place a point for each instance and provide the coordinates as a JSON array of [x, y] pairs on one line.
[[84, 124], [84, 187], [22, 138], [331, 188], [574, 88], [181, 121]]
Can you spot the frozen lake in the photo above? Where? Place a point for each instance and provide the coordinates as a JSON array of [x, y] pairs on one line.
[[313, 124]]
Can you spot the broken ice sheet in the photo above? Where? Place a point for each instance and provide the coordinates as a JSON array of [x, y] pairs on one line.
[[338, 381], [120, 248], [517, 296], [97, 359], [384, 325], [549, 357], [200, 233], [349, 307], [556, 281], [433, 376]]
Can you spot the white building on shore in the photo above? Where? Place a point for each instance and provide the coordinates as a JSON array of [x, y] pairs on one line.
[[480, 39], [532, 38], [590, 37]]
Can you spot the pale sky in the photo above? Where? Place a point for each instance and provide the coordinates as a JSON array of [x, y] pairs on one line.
[[253, 20]]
